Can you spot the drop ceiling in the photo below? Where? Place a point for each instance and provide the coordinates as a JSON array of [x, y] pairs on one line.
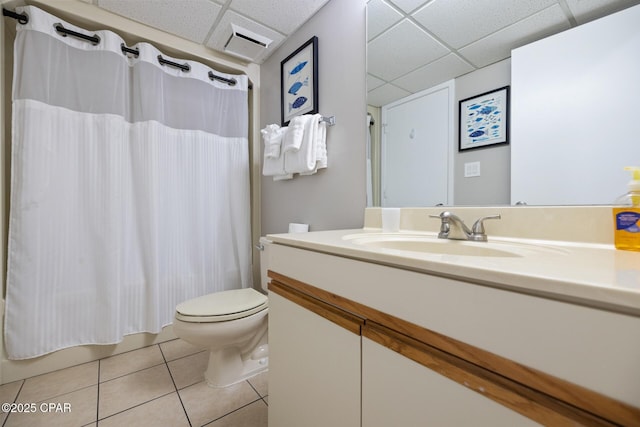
[[209, 22], [411, 44], [416, 44]]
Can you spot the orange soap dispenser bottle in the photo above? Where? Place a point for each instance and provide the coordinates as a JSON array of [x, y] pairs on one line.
[[626, 215]]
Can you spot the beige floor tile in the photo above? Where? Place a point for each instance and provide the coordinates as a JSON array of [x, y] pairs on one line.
[[132, 361], [176, 349], [253, 415], [8, 394], [9, 391], [81, 410], [165, 411], [37, 389], [261, 383], [189, 370], [126, 392], [205, 404]]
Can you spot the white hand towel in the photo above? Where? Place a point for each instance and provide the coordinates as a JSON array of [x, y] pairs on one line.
[[273, 164], [321, 147], [304, 159], [283, 177], [273, 167], [293, 136], [272, 136]]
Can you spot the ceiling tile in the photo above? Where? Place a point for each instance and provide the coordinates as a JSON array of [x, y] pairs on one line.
[[385, 94], [588, 10], [282, 15], [373, 82], [403, 48], [460, 22], [223, 31], [190, 19], [409, 6], [498, 46], [437, 72], [380, 16]]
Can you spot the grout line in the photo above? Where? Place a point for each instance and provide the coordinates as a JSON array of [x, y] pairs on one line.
[[98, 393], [59, 395], [138, 370], [130, 351], [264, 401], [204, 350], [14, 401], [136, 406], [235, 410], [258, 393], [162, 353], [151, 400], [135, 372], [186, 355], [175, 386], [254, 389]]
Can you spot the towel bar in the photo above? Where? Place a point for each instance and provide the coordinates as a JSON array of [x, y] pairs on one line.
[[330, 120]]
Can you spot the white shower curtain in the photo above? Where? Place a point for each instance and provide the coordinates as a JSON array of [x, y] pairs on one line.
[[129, 189]]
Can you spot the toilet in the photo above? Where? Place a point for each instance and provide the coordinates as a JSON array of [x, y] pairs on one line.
[[232, 326]]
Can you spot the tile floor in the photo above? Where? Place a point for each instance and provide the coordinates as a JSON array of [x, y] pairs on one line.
[[159, 385]]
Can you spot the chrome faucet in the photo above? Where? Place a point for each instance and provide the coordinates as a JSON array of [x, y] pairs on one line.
[[452, 227]]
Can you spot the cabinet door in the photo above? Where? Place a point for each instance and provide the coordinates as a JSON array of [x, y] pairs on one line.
[[314, 369], [398, 391]]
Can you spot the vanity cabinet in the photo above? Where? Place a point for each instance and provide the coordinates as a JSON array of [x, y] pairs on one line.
[[314, 363], [389, 346], [398, 391]]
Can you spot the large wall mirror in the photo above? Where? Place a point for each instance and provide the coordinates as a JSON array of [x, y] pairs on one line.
[[571, 101]]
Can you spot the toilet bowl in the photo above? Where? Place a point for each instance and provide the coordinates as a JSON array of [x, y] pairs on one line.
[[232, 326]]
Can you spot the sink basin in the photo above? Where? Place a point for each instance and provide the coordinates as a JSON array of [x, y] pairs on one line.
[[432, 245], [448, 247]]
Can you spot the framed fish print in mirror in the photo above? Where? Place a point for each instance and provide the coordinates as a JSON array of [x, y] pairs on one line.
[[484, 119], [299, 81]]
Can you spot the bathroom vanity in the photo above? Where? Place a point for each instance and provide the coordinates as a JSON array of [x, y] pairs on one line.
[[376, 329]]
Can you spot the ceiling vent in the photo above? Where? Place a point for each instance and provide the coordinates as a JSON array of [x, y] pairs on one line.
[[246, 44]]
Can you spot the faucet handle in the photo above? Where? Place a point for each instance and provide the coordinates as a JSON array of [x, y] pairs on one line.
[[442, 215], [478, 233], [445, 227]]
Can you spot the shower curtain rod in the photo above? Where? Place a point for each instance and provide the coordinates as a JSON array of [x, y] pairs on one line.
[[23, 19], [95, 39]]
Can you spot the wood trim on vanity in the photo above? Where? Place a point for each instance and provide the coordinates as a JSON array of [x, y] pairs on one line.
[[537, 406], [535, 394], [564, 391], [340, 317]]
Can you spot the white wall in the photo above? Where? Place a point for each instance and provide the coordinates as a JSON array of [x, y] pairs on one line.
[[492, 187], [335, 197]]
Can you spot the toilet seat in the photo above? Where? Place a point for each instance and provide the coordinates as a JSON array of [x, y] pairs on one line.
[[222, 306]]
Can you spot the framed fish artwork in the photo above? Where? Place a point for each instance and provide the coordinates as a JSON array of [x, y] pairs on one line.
[[484, 119], [299, 81]]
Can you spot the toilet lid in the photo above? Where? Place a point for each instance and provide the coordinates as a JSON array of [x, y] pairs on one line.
[[222, 306]]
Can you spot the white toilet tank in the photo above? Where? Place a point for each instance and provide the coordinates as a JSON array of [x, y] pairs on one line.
[[264, 247]]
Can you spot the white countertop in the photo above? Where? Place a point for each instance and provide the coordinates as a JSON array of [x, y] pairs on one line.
[[591, 274]]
